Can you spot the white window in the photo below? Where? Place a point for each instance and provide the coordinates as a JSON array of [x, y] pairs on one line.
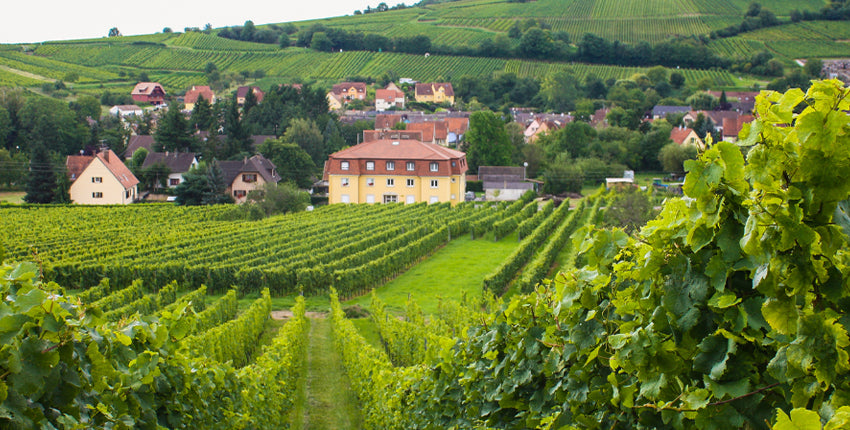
[[345, 199], [97, 195], [453, 180], [370, 182], [344, 182], [434, 166], [390, 165], [390, 182], [370, 198], [343, 165], [411, 166], [96, 179], [411, 200], [370, 165], [453, 197], [410, 182], [435, 183], [390, 198], [434, 199]]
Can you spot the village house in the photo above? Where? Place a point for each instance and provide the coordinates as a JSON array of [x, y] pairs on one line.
[[389, 98], [349, 91], [196, 92], [435, 92], [101, 179], [392, 171], [148, 92], [123, 111], [335, 102], [685, 136], [178, 163], [661, 111], [540, 127], [242, 92], [246, 175]]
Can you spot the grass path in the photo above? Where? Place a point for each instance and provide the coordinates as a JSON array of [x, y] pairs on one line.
[[458, 267], [324, 399]]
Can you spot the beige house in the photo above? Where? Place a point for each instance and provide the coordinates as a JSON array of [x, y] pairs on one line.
[[243, 176], [101, 179], [396, 171], [686, 136]]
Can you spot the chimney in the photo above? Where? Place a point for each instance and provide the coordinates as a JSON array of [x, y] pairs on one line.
[[106, 156]]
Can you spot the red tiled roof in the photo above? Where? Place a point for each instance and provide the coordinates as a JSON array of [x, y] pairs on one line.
[[146, 88], [386, 121], [372, 135], [427, 129], [458, 125], [389, 96], [345, 86], [76, 164], [400, 151], [679, 134], [199, 90], [430, 88], [242, 92], [118, 169], [406, 149]]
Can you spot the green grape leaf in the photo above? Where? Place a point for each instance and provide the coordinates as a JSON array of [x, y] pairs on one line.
[[800, 419], [840, 420], [31, 299], [22, 272], [723, 300], [781, 315]]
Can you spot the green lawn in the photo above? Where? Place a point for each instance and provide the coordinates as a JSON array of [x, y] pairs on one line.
[[324, 398], [458, 267]]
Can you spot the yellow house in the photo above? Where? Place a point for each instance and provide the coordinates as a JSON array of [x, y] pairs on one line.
[[101, 179], [396, 171], [334, 101], [195, 93], [435, 92]]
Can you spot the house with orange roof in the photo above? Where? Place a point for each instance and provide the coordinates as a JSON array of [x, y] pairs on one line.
[[733, 126], [242, 92], [685, 136], [350, 91], [385, 121], [148, 92], [101, 179], [540, 127], [393, 171], [389, 98], [435, 92], [196, 92]]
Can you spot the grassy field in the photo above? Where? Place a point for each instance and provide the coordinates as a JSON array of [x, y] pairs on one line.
[[459, 267]]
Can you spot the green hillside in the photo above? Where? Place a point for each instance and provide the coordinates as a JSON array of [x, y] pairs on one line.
[[179, 60]]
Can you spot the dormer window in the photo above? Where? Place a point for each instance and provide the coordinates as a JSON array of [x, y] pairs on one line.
[[411, 166], [390, 165], [370, 165], [435, 166], [343, 165]]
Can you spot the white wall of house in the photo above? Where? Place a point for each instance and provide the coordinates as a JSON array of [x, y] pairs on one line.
[[98, 186]]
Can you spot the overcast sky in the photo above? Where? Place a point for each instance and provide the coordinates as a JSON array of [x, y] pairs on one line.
[[40, 20]]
